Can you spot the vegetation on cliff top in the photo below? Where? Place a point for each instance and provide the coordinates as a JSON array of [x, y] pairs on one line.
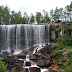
[[62, 51]]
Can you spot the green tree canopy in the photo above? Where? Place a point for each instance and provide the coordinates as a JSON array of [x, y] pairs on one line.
[[38, 17], [32, 18]]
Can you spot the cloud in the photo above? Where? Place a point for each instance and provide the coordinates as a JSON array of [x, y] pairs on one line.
[[32, 6]]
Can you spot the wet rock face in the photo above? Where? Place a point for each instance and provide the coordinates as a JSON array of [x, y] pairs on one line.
[[34, 69], [27, 63]]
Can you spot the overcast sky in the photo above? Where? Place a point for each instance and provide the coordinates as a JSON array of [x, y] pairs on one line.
[[32, 6]]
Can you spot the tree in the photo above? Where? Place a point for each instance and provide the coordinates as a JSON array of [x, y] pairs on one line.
[[32, 20], [56, 14], [61, 13], [51, 14], [38, 17], [4, 15], [69, 10], [12, 17], [25, 19], [1, 14], [71, 5], [45, 18], [16, 18]]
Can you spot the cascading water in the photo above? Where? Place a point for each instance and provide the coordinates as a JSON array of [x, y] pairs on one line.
[[23, 36]]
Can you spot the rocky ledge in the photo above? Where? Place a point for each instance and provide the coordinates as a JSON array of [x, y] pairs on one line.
[[43, 59]]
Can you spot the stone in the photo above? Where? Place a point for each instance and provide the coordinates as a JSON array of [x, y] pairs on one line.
[[41, 63], [48, 63], [34, 69], [13, 69], [12, 51], [25, 70], [4, 54], [1, 58], [27, 63], [33, 57], [22, 56], [65, 58], [13, 61], [33, 63], [60, 63], [55, 68], [18, 67], [66, 63], [21, 62], [0, 51]]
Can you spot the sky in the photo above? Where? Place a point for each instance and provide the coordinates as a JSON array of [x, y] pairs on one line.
[[33, 6]]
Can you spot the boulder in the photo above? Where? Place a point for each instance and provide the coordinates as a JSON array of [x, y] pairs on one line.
[[33, 57], [27, 63], [25, 70], [11, 59], [4, 55], [41, 63], [34, 69], [12, 51], [22, 56], [48, 63], [18, 67], [1, 58], [21, 62]]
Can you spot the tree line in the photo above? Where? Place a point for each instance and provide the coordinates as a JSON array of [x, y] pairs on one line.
[[61, 13], [11, 17]]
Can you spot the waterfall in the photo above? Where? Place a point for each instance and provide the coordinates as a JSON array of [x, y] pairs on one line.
[[23, 36]]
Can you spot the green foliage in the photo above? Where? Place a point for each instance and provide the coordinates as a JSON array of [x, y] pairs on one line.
[[66, 39], [13, 70], [58, 28], [4, 15], [54, 47], [68, 68], [32, 18], [38, 17], [45, 18], [56, 14], [2, 67], [25, 19], [64, 42], [15, 18]]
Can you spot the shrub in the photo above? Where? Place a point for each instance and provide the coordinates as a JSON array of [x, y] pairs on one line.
[[68, 68], [2, 67], [55, 46], [13, 70]]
